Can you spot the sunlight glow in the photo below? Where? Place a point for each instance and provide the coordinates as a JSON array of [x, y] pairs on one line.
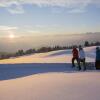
[[11, 36]]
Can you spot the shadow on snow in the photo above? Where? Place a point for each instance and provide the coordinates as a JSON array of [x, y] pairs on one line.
[[12, 71]]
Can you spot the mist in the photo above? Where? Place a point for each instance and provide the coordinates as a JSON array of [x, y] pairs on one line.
[[27, 42]]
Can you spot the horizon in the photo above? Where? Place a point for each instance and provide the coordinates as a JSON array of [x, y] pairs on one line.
[[25, 24], [17, 43]]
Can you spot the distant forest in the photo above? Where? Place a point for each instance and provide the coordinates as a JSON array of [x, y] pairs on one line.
[[43, 49]]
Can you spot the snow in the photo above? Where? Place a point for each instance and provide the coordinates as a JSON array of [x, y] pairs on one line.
[[48, 76], [53, 86], [61, 56]]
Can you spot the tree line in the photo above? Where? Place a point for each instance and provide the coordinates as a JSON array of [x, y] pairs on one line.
[[44, 49]]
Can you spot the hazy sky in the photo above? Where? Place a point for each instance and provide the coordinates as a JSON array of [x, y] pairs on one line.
[[24, 18]]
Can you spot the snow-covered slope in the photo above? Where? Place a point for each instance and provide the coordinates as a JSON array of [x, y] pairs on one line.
[[61, 56], [53, 86], [48, 76]]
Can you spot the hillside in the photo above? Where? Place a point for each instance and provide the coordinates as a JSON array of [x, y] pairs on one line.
[[48, 76], [61, 56]]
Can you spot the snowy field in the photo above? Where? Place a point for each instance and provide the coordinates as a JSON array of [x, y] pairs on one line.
[[48, 76], [61, 56]]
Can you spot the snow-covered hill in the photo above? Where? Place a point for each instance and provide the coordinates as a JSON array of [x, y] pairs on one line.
[[48, 76], [61, 56], [53, 86]]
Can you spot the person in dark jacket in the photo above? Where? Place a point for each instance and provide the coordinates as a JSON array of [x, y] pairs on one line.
[[97, 62], [75, 57]]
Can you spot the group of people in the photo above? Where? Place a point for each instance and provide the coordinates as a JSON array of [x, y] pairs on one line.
[[79, 56]]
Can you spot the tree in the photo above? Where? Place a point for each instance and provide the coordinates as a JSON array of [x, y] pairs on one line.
[[30, 51], [20, 53]]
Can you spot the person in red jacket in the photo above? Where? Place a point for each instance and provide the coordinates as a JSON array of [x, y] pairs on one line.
[[75, 57]]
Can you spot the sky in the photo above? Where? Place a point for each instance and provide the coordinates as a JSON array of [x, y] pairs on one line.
[[28, 19]]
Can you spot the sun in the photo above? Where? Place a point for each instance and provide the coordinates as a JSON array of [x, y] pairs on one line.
[[11, 36]]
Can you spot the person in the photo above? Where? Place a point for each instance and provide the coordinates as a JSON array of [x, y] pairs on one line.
[[97, 62], [75, 57], [82, 57]]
